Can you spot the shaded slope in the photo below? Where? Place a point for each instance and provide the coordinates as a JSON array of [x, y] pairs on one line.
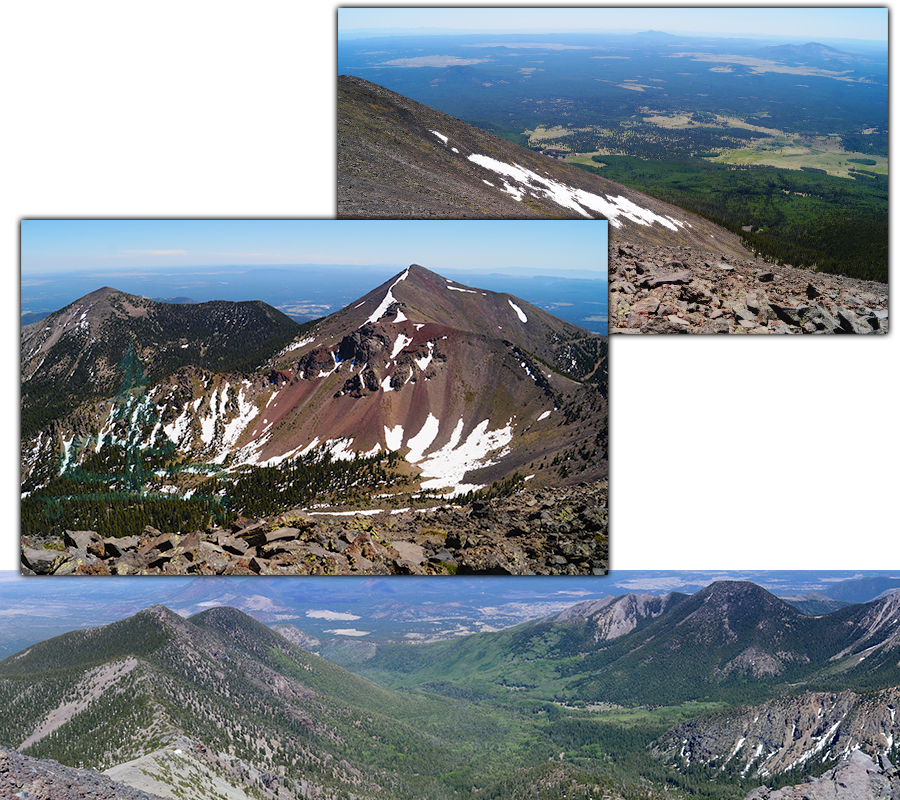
[[74, 354]]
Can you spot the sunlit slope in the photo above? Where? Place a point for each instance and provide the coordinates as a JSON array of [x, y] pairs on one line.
[[215, 691], [732, 641]]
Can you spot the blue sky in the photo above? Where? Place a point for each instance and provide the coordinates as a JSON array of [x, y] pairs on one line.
[[106, 245], [806, 23]]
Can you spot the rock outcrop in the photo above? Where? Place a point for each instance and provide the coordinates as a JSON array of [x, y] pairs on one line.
[[858, 777], [41, 779], [656, 289], [808, 730], [553, 531]]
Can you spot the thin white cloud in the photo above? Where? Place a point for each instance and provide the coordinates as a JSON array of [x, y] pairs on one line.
[[247, 255], [332, 615], [154, 252]]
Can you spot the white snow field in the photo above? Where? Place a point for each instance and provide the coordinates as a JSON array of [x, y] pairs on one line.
[[519, 312], [577, 199]]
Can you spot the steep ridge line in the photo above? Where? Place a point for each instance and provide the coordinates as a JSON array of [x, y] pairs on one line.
[[453, 375], [45, 779]]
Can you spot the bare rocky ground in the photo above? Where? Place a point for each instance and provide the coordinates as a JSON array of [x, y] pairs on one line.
[[656, 289], [858, 777], [25, 778], [561, 530]]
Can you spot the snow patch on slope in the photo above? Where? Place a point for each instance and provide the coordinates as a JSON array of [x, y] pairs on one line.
[[246, 413], [386, 302], [402, 341], [419, 443], [393, 437], [446, 468], [576, 199], [519, 312], [177, 429]]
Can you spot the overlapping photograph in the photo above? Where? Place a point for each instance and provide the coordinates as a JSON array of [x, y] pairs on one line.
[[442, 414]]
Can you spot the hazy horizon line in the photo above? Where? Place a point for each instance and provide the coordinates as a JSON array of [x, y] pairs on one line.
[[430, 30]]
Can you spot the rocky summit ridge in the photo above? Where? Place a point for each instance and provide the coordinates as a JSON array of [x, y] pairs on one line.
[[44, 779], [670, 289]]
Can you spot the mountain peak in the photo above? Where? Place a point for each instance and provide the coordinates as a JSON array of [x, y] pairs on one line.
[[654, 35], [735, 589], [425, 359], [75, 354], [726, 596], [612, 617]]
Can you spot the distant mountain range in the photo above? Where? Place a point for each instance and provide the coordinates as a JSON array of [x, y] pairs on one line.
[[670, 271], [732, 641], [155, 699], [811, 52]]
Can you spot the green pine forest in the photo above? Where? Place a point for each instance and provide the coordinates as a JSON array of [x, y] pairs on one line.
[[115, 496], [798, 217]]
